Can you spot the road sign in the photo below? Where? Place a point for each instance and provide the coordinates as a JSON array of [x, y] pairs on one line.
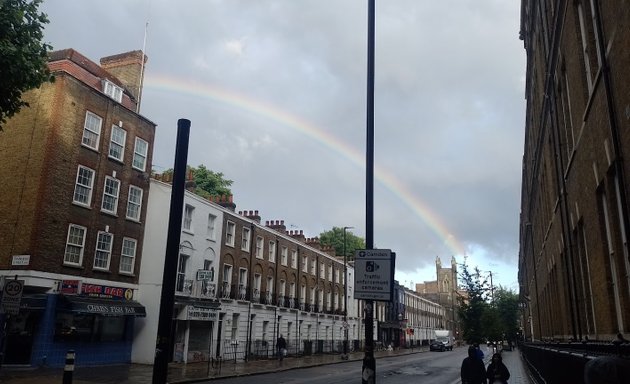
[[11, 296], [374, 274]]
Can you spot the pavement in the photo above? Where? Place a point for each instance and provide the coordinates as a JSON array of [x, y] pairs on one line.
[[515, 364], [179, 373]]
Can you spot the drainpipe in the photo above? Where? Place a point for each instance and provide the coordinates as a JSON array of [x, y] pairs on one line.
[[250, 281]]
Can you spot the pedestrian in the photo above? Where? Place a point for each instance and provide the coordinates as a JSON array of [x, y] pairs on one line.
[[478, 351], [473, 371], [281, 345], [497, 371]]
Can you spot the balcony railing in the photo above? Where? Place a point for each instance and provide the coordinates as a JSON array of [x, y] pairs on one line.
[[226, 290], [242, 292], [268, 298], [256, 296]]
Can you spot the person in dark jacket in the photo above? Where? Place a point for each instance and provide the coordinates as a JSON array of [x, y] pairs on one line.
[[281, 345], [473, 371], [497, 371]]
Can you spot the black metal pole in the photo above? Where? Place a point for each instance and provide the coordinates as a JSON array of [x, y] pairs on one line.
[[368, 371], [68, 369], [163, 342]]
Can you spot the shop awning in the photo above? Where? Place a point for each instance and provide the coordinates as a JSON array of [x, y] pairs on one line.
[[98, 306]]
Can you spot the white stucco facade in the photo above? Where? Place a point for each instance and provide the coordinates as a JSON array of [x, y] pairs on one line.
[[199, 251]]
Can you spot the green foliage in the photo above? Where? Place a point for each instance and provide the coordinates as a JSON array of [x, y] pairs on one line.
[[506, 304], [334, 238], [483, 319], [23, 56], [207, 182], [471, 310]]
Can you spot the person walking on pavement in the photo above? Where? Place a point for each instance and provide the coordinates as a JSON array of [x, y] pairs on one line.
[[281, 345], [479, 352], [497, 371], [473, 371]]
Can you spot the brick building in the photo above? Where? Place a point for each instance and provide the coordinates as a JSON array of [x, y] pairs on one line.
[[574, 263], [74, 173]]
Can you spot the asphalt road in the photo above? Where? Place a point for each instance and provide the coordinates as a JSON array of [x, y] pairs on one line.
[[427, 368]]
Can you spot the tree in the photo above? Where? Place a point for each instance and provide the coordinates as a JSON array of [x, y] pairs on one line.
[[207, 182], [483, 319], [23, 56], [506, 304], [334, 238], [472, 309]]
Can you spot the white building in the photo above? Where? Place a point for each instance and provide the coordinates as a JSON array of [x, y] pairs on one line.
[[195, 288]]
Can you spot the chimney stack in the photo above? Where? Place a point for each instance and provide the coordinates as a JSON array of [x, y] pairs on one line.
[[298, 235], [224, 201], [128, 68], [277, 225], [253, 215]]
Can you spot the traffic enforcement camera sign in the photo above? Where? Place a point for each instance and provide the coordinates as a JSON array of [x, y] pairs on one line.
[[374, 274]]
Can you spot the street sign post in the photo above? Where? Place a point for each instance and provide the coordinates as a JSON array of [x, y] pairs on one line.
[[374, 274]]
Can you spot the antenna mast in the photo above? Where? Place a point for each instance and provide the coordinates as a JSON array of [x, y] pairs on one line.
[[144, 46]]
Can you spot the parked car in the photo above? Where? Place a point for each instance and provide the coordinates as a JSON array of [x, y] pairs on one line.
[[442, 341], [437, 345]]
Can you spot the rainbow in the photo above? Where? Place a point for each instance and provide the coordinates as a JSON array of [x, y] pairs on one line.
[[269, 111]]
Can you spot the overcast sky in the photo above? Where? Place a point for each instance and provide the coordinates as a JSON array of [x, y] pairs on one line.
[[276, 92]]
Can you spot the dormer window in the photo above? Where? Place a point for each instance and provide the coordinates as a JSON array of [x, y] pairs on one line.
[[112, 90]]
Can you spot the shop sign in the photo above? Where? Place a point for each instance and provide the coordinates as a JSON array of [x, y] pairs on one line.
[[70, 287], [106, 292], [204, 275], [111, 310], [201, 313]]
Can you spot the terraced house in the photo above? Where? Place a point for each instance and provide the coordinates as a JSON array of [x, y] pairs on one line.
[[74, 173], [240, 284]]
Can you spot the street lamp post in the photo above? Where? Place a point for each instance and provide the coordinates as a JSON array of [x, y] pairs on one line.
[[345, 295]]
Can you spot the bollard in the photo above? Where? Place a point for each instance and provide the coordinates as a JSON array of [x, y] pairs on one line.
[[68, 370]]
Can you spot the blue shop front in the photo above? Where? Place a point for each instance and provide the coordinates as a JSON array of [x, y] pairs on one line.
[[96, 321]]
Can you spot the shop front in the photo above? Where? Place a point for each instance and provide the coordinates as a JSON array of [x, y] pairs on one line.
[[195, 335]]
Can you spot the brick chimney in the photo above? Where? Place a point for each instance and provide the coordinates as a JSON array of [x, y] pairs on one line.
[[224, 201], [252, 215], [190, 181], [298, 235], [127, 67], [277, 225], [314, 242]]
